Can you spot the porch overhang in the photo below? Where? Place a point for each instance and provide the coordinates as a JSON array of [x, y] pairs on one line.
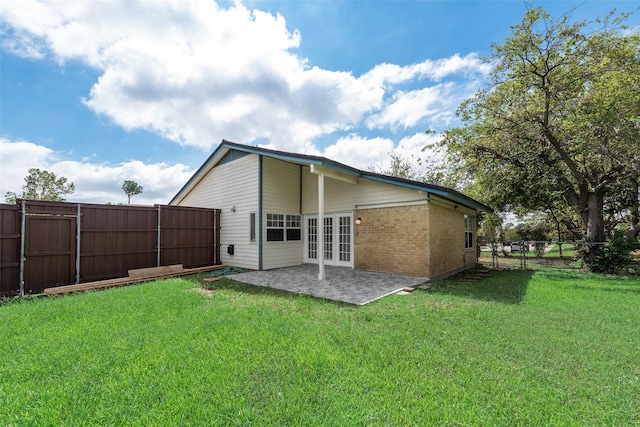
[[333, 174]]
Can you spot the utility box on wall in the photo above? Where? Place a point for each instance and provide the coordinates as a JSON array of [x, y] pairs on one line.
[[230, 249]]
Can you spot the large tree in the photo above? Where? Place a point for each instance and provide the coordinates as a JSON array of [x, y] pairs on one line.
[[42, 185], [560, 119]]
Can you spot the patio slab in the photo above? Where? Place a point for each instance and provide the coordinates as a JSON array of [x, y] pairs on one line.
[[341, 284]]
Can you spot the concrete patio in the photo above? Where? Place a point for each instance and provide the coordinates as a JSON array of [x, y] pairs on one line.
[[341, 284]]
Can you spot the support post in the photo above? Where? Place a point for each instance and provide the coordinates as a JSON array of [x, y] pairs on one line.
[[321, 275], [158, 252], [78, 236], [23, 227]]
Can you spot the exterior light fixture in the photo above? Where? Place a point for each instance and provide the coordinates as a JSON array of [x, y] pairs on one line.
[[358, 221]]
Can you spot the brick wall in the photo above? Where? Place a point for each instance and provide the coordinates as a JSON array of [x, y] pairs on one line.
[[446, 241], [393, 240], [421, 240]]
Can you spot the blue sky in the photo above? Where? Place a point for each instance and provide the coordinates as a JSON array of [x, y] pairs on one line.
[[101, 92]]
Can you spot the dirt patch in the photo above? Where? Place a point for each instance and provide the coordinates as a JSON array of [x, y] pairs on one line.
[[203, 291]]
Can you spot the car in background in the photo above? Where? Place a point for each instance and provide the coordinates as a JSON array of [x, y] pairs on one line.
[[518, 247]]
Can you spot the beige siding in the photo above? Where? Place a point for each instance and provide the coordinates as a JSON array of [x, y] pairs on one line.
[[227, 185], [341, 196], [281, 195]]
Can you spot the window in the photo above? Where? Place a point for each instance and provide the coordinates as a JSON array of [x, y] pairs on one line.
[[281, 228], [252, 227], [294, 227], [468, 232], [275, 227]]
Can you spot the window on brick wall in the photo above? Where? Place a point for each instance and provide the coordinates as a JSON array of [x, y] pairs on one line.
[[468, 232]]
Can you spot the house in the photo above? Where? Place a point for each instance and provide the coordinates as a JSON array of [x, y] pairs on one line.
[[272, 202]]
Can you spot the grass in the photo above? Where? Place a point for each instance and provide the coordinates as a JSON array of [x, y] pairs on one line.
[[545, 347], [568, 251]]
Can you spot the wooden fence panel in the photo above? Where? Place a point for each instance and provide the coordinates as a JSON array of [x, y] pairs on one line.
[[188, 236], [9, 249], [116, 239], [50, 252]]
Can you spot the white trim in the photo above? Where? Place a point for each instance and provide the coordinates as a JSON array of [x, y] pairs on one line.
[[334, 174], [392, 204]]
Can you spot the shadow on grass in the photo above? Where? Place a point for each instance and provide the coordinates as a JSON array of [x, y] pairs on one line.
[[504, 286]]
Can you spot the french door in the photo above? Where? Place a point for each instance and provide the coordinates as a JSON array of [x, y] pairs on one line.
[[338, 239]]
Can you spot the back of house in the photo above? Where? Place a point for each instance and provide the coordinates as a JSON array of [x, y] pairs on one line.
[[272, 201]]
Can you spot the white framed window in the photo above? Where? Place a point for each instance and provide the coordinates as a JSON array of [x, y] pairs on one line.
[[468, 232], [294, 227], [283, 228]]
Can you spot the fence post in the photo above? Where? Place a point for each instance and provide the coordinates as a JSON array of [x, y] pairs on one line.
[[22, 237], [158, 255], [79, 215]]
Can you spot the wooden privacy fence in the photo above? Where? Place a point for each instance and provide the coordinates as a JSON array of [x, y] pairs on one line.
[[48, 244]]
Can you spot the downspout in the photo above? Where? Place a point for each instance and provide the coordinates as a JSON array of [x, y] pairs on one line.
[[300, 192], [22, 237], [260, 213]]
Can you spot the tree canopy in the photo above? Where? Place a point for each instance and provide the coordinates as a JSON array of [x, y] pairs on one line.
[[559, 123], [42, 185], [131, 188]]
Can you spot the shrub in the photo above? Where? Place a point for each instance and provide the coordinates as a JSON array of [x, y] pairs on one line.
[[614, 256]]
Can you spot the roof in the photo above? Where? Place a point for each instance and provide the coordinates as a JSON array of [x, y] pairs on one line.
[[306, 159]]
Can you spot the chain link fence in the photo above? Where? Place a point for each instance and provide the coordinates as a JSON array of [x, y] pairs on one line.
[[522, 253]]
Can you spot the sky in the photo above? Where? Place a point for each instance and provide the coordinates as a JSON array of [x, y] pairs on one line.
[[106, 91]]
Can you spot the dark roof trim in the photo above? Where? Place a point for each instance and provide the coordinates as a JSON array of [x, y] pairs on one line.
[[322, 161]]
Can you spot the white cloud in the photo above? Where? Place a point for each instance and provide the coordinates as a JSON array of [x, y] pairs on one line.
[[95, 183], [359, 152], [196, 73], [191, 71], [435, 70], [15, 160], [429, 107]]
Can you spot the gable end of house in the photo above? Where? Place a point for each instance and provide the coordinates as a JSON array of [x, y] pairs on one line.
[[231, 156]]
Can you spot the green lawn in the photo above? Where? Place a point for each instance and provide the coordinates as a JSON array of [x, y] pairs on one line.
[[568, 251], [546, 347]]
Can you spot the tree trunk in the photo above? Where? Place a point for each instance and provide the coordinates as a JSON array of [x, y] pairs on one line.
[[632, 233], [595, 221], [590, 208], [595, 225]]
